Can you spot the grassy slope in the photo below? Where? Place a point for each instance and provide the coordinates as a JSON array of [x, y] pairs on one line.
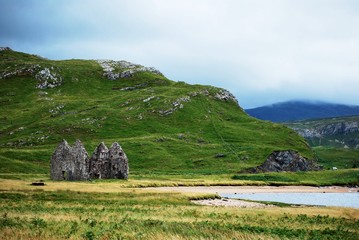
[[183, 142]]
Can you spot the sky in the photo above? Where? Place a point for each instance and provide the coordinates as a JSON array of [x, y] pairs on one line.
[[263, 51]]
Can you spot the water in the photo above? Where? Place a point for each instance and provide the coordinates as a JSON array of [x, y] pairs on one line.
[[323, 199]]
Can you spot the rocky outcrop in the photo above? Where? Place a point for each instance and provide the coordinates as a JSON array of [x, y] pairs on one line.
[[225, 95], [114, 70], [177, 104], [288, 161], [25, 70], [47, 77], [5, 49], [73, 163]]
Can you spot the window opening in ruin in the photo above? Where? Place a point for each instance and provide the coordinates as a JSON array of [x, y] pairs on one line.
[[64, 175]]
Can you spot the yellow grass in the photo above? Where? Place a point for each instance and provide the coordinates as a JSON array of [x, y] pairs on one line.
[[108, 186], [114, 202]]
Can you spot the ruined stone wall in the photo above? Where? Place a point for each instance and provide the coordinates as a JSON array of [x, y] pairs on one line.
[[109, 163], [69, 163], [73, 163], [60, 161]]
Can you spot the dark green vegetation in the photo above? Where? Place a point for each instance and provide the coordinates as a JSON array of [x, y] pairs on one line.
[[336, 157], [150, 215], [319, 178], [90, 107]]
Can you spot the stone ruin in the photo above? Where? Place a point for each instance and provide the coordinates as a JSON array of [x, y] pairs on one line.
[[74, 164], [288, 161]]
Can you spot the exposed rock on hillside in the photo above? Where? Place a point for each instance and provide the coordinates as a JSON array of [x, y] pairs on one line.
[[47, 77], [26, 70], [73, 163], [225, 95], [122, 69], [5, 49], [289, 161], [177, 104]]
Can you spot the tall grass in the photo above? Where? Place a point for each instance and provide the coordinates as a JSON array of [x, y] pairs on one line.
[[345, 177], [140, 214]]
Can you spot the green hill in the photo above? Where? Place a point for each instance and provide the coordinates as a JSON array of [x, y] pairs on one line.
[[163, 126]]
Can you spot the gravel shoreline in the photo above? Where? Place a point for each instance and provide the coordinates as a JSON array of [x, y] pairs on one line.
[[231, 203]]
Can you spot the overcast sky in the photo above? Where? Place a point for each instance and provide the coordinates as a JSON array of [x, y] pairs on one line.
[[263, 51]]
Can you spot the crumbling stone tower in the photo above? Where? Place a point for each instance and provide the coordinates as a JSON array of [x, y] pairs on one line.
[[73, 163], [119, 162], [70, 163], [108, 163]]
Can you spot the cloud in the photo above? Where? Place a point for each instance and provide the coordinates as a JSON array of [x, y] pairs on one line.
[[263, 51]]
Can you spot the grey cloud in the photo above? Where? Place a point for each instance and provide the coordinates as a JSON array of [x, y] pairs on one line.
[[263, 51]]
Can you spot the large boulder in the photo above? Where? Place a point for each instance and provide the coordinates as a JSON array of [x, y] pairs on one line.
[[288, 161]]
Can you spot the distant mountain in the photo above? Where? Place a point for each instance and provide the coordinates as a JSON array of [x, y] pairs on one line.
[[301, 110]]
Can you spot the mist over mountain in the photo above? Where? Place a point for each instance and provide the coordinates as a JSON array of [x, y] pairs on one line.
[[302, 109]]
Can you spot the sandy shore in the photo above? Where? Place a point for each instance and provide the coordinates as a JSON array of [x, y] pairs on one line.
[[258, 189]]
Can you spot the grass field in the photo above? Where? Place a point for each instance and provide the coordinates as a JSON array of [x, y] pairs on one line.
[[104, 211], [345, 177]]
